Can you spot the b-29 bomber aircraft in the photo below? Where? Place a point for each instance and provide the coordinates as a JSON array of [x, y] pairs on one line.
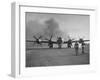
[[59, 41]]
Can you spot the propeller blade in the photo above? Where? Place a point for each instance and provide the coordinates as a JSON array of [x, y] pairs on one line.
[[51, 37], [40, 37], [34, 37]]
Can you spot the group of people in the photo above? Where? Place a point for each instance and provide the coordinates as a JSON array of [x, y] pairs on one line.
[[76, 46]]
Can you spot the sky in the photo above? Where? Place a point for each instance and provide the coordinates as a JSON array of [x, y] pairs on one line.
[[75, 25]]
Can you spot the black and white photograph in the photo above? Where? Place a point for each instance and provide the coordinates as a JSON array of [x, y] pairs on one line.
[[54, 39]]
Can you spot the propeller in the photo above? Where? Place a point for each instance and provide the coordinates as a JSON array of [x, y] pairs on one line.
[[49, 38], [40, 37], [81, 40], [37, 40]]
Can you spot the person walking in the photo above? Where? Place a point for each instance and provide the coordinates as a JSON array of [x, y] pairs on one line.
[[59, 41], [76, 46], [83, 46]]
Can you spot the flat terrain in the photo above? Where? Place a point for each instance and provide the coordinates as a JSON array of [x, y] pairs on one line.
[[55, 57]]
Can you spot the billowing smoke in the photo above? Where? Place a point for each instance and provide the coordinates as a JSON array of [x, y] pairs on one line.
[[47, 28], [52, 29]]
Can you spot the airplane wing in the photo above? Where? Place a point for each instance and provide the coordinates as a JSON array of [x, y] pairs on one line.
[[54, 42], [75, 41], [44, 41], [30, 41], [67, 41], [86, 40], [79, 41]]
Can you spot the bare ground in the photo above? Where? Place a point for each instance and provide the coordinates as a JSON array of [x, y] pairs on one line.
[[55, 57]]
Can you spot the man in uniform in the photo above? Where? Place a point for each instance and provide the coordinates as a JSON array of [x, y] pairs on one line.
[[59, 41], [69, 43], [76, 46], [50, 44], [83, 46]]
